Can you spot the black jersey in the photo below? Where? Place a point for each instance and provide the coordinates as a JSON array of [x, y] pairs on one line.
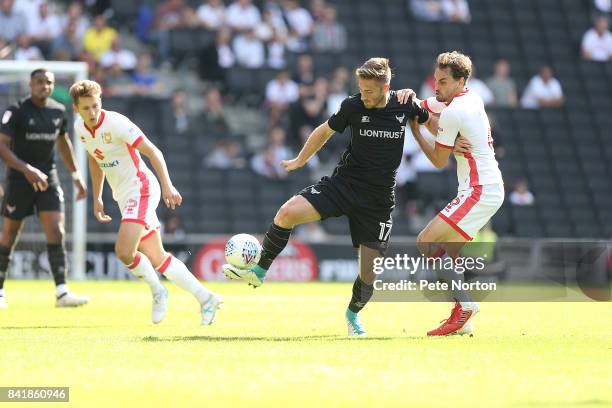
[[33, 131], [376, 146]]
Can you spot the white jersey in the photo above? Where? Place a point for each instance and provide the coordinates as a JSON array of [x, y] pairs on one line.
[[112, 143], [465, 115]]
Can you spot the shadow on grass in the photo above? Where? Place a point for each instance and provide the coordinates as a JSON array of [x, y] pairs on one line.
[[154, 339]]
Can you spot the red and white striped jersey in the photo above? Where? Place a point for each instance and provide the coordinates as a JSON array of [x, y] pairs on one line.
[[465, 115], [112, 143]]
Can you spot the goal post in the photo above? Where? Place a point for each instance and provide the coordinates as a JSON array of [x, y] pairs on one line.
[[16, 71]]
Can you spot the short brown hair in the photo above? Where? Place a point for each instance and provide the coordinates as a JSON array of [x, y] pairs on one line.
[[460, 64], [375, 68], [84, 88]]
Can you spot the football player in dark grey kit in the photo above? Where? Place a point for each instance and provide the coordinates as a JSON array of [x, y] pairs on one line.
[[361, 187], [29, 132]]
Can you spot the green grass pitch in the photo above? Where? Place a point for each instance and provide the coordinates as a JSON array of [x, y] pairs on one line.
[[285, 344]]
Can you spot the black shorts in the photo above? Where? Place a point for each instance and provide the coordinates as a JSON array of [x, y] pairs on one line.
[[369, 212], [20, 199]]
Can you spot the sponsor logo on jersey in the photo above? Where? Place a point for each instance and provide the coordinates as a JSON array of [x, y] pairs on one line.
[[48, 137], [106, 136], [400, 119], [384, 134], [109, 164], [365, 119]]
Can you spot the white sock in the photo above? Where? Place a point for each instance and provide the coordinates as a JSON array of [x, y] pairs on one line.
[[61, 289], [142, 268], [1, 292], [178, 273]]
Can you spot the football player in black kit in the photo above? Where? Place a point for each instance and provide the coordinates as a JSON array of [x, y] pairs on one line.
[[361, 187], [29, 132]]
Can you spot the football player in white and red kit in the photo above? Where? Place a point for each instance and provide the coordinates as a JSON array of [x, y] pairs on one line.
[[481, 189], [114, 145]]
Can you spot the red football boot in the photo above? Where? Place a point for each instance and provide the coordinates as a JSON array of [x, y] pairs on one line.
[[457, 320]]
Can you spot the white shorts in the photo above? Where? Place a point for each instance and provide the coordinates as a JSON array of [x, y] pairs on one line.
[[473, 208], [141, 209]]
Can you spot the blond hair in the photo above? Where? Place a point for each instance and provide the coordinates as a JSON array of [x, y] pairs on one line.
[[84, 88], [460, 65], [375, 68]]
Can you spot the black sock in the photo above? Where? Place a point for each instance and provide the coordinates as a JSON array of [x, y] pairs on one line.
[[362, 292], [5, 258], [274, 242], [57, 260]]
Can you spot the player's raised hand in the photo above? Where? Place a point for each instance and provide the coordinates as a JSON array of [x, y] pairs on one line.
[[462, 145], [81, 189], [98, 207], [292, 164], [405, 95], [172, 197], [37, 178]]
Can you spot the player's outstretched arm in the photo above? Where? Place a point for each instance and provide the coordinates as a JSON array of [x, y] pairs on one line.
[[313, 144], [97, 182], [37, 178], [171, 196], [66, 152]]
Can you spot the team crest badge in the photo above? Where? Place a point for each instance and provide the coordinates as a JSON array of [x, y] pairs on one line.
[[106, 136]]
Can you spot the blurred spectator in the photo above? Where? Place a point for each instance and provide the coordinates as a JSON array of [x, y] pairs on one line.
[[597, 42], [44, 28], [249, 50], [118, 55], [338, 90], [502, 86], [227, 154], [269, 25], [604, 6], [276, 50], [312, 232], [241, 15], [456, 11], [99, 38], [521, 195], [304, 74], [25, 51], [169, 15], [328, 34], [28, 8], [480, 88], [267, 163], [95, 7], [211, 14], [213, 117], [144, 80], [300, 25], [178, 103], [317, 9], [280, 92], [12, 23], [116, 82], [68, 43], [310, 110], [6, 51], [173, 226], [74, 15], [543, 90], [427, 10], [215, 58]]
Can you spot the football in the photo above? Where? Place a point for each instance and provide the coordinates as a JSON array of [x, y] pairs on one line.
[[242, 251]]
